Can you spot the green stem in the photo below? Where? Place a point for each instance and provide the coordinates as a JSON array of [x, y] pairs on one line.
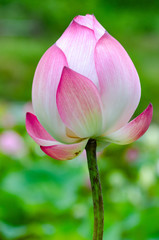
[[96, 190]]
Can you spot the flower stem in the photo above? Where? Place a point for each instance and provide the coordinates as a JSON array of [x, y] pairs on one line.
[[96, 190]]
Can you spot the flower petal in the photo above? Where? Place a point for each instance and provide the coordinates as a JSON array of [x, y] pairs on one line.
[[37, 132], [99, 30], [78, 43], [46, 80], [86, 21], [118, 82], [134, 129], [65, 151], [91, 22], [79, 104]]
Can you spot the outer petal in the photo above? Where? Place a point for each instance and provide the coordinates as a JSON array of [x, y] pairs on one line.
[[78, 43], [118, 81], [46, 80], [79, 104], [37, 132], [99, 30], [91, 22], [65, 152], [134, 129]]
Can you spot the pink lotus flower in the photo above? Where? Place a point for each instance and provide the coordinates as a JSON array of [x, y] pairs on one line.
[[11, 143], [85, 86]]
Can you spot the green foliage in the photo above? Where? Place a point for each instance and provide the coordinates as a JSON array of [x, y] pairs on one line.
[[42, 198]]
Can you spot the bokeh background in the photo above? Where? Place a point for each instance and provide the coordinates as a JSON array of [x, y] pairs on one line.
[[41, 198]]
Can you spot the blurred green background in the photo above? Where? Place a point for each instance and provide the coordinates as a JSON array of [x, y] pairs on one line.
[[41, 198]]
